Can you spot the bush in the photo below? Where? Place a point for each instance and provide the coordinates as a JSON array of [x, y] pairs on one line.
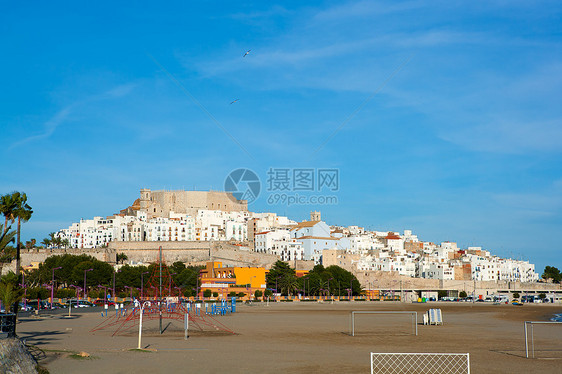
[[215, 294], [516, 295], [462, 294], [232, 294], [258, 294], [241, 294], [542, 296], [207, 293]]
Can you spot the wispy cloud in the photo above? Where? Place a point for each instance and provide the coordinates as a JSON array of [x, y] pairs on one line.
[[49, 128], [362, 9], [257, 14], [64, 115]]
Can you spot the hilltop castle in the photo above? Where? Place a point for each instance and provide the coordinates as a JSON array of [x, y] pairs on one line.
[[161, 203]]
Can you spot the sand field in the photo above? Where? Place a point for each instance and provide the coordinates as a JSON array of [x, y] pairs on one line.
[[299, 338]]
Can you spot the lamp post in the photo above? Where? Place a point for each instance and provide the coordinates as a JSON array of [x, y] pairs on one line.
[[131, 288], [53, 286], [85, 293], [276, 279], [77, 293], [114, 272], [250, 295], [24, 289], [105, 296], [142, 283], [170, 284]]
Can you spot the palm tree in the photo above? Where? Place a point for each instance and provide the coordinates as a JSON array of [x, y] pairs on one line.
[[23, 213], [121, 257], [46, 242], [6, 238], [7, 207], [10, 296], [290, 283]]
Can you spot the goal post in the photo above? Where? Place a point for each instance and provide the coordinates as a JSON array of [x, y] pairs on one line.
[[552, 342], [421, 363], [413, 317]]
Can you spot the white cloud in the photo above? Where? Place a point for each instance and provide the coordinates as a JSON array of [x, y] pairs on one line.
[[63, 115]]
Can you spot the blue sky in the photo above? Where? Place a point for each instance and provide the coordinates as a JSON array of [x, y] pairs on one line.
[[461, 141]]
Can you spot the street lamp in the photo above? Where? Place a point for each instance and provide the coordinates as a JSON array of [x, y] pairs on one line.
[[85, 293], [53, 286], [170, 284], [105, 289], [142, 283], [114, 295], [24, 289], [131, 288], [77, 293], [250, 295]]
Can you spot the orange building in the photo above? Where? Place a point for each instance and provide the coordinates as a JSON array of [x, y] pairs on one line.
[[224, 280]]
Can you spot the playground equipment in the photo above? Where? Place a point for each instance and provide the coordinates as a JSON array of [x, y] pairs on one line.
[[159, 304]]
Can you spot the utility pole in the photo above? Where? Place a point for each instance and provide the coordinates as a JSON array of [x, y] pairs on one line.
[[160, 292]]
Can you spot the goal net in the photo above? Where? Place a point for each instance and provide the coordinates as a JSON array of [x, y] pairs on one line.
[[543, 339], [383, 323], [420, 363]]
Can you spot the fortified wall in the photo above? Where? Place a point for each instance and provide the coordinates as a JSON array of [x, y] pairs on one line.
[[396, 282]]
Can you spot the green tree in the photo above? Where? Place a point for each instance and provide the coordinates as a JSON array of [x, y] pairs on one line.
[[289, 284], [542, 296], [22, 213], [279, 274], [10, 295], [8, 206], [121, 257], [6, 250], [258, 294], [267, 293], [207, 293], [516, 295], [462, 294], [177, 267], [332, 280], [551, 272]]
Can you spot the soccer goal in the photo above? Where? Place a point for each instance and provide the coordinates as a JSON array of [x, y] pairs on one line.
[[387, 322], [543, 339], [420, 363]]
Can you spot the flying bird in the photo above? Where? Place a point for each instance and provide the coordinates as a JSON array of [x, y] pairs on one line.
[[234, 101], [247, 53]]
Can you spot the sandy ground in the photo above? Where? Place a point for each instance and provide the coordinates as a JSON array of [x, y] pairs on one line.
[[300, 338]]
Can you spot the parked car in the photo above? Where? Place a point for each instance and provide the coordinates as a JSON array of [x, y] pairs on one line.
[[103, 302], [37, 304], [25, 307], [56, 305]]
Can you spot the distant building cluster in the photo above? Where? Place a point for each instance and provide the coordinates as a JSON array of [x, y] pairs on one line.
[[207, 216]]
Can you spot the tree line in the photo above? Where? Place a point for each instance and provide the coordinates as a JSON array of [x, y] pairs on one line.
[[14, 207], [68, 270], [320, 281]]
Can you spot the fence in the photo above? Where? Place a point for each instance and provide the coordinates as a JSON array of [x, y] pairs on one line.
[[532, 330], [414, 319], [420, 363], [7, 325]]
